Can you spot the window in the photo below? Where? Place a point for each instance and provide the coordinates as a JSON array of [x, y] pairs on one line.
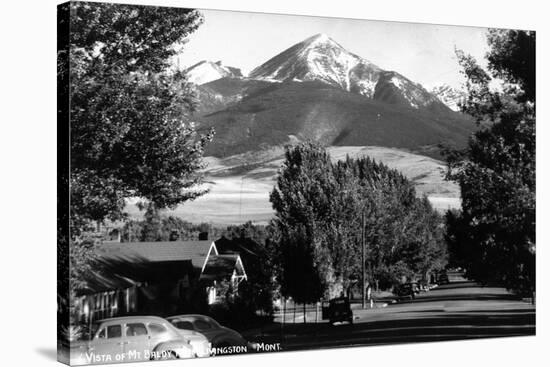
[[136, 330], [202, 325], [157, 329], [185, 325], [114, 331], [102, 334]]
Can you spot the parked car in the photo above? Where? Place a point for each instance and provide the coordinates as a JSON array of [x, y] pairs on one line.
[[217, 335], [339, 309], [443, 278], [406, 290], [137, 338]]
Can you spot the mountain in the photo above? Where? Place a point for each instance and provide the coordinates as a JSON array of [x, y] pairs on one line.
[[318, 90], [266, 114], [207, 71], [220, 93], [450, 96], [323, 59]]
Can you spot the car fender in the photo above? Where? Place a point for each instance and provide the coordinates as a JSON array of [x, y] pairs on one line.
[[235, 335], [229, 340], [181, 348]]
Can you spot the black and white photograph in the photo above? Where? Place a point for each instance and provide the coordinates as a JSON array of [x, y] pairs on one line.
[[237, 183]]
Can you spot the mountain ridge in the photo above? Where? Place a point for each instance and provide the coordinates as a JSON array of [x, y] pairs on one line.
[[317, 90], [254, 116], [321, 58], [206, 71]]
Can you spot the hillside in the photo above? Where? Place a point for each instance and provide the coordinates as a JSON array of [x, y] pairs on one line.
[[251, 115], [240, 184]]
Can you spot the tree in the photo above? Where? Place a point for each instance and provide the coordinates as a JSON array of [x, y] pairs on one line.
[[403, 233], [301, 202], [130, 129], [324, 209], [152, 228], [250, 230], [494, 235], [130, 132]]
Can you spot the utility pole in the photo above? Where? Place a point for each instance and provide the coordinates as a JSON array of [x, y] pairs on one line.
[[364, 295]]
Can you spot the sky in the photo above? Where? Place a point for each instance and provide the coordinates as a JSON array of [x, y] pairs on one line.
[[422, 52]]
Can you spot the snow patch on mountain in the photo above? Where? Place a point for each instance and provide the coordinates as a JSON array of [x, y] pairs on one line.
[[323, 59], [319, 58], [450, 96], [207, 71]]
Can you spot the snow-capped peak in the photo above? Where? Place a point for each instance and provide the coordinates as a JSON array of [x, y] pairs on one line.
[[320, 58], [207, 71], [319, 39]]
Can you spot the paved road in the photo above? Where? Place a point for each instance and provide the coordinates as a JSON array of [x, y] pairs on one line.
[[460, 310]]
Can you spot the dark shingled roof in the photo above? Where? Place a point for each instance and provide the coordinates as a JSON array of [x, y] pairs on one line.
[[196, 251], [112, 274]]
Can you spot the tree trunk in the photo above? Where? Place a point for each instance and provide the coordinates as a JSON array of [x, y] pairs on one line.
[[283, 321]]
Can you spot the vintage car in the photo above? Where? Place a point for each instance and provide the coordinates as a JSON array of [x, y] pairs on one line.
[[218, 335], [338, 310], [406, 290], [137, 338], [443, 278]]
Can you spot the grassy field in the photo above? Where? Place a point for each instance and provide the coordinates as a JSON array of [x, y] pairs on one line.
[[240, 184]]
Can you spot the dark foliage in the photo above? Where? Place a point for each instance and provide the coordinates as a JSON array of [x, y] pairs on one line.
[[130, 133], [320, 209], [493, 236]]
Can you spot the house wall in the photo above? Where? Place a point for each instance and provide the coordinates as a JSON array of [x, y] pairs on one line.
[[162, 299], [106, 304]]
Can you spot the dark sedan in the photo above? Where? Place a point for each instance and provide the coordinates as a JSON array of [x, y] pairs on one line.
[[218, 335]]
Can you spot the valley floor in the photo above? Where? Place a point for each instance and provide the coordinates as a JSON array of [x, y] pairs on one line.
[[240, 184]]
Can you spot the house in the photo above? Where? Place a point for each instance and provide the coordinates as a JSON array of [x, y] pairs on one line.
[[217, 269], [248, 250], [157, 278]]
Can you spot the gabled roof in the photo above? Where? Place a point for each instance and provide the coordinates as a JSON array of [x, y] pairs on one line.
[[222, 266], [248, 249], [196, 251]]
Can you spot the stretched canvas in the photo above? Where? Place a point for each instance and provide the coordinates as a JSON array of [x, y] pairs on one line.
[[240, 183]]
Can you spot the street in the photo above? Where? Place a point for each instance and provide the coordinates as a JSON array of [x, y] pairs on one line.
[[459, 310]]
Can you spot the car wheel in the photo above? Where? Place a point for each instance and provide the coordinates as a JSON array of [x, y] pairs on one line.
[[169, 355], [165, 355], [221, 344]]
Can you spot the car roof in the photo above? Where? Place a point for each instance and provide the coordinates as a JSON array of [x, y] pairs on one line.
[[194, 317], [133, 318], [188, 316]]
